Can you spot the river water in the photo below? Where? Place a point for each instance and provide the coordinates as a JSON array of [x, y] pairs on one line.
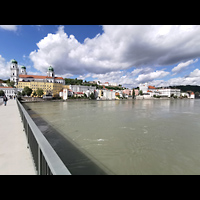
[[130, 137]]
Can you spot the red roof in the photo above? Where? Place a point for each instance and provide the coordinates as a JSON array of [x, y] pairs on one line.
[[151, 87], [32, 76], [78, 93], [59, 78], [5, 87], [37, 77]]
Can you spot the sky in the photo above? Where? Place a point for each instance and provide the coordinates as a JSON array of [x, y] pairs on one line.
[[161, 55]]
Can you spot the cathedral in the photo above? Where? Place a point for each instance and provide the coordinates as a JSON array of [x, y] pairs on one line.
[[50, 84], [23, 77]]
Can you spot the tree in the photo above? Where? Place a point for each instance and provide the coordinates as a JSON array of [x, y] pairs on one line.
[[10, 83], [133, 93], [28, 91], [34, 93], [140, 92], [40, 92], [69, 81], [79, 82], [92, 96], [23, 93], [2, 93], [19, 93], [196, 95]]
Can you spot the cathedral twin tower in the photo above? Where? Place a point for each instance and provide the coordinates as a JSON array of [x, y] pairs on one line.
[[14, 76], [14, 72]]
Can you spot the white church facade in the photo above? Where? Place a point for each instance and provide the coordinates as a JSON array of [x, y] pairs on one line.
[[16, 77], [14, 72], [50, 84]]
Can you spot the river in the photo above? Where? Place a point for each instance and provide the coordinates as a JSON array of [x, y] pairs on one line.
[[129, 137]]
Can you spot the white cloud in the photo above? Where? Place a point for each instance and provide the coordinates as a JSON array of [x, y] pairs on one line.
[[184, 81], [110, 76], [4, 68], [151, 76], [131, 79], [182, 66], [83, 77], [107, 57], [192, 79], [54, 50], [9, 27], [155, 45], [120, 77], [118, 48], [195, 73]]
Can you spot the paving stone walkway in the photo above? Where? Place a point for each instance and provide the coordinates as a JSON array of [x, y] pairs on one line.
[[15, 157]]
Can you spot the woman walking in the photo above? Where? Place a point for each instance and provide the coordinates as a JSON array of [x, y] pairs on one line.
[[5, 99]]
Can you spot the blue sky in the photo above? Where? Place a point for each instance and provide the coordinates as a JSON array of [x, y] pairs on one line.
[[161, 55], [16, 44]]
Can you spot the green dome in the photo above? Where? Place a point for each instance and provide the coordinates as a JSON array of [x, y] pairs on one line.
[[14, 61], [23, 67], [51, 68]]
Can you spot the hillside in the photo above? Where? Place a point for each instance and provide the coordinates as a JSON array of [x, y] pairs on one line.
[[194, 88]]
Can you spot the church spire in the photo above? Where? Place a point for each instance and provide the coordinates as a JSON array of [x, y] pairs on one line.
[[50, 72], [14, 71]]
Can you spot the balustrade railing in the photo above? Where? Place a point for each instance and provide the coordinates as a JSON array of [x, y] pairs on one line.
[[46, 160]]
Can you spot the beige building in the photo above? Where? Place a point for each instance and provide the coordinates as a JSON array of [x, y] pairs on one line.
[[50, 84]]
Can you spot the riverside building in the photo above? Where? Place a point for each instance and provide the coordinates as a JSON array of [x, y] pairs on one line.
[[50, 84], [164, 92]]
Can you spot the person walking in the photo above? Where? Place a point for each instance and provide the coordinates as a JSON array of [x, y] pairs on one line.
[[5, 99]]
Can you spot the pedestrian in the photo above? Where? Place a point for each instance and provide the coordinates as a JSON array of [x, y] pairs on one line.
[[5, 99]]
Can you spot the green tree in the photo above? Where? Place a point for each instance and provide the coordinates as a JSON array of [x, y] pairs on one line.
[[133, 93], [19, 93], [10, 83], [197, 95], [141, 92], [34, 93], [40, 92], [79, 82], [70, 81], [92, 96], [2, 93], [28, 91], [23, 93]]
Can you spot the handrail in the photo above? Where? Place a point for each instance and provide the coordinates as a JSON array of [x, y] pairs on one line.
[[46, 160]]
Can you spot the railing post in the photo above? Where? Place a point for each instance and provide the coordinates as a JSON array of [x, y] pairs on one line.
[[39, 161], [42, 151], [27, 133]]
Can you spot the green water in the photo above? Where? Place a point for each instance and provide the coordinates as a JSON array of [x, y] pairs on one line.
[[131, 137]]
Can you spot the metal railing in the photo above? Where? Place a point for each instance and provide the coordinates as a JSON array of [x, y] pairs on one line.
[[45, 158]]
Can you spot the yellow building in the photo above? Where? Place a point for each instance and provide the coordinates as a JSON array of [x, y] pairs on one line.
[[48, 88], [51, 85]]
